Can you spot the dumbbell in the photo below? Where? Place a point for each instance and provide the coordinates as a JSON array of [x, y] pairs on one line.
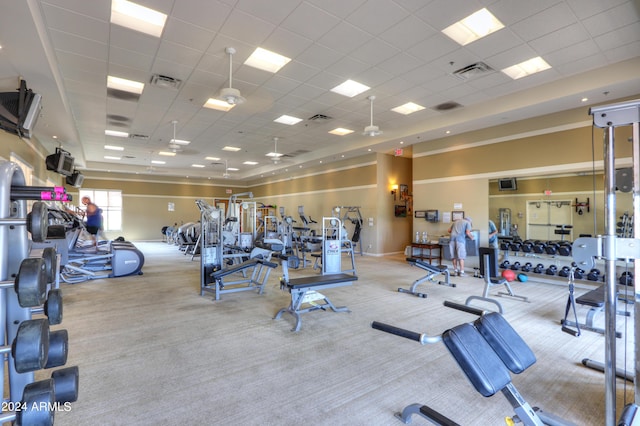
[[515, 246], [505, 264], [37, 406], [564, 249], [36, 347], [626, 278], [31, 287], [527, 246], [564, 272], [37, 222], [515, 266], [539, 247], [526, 267], [551, 248], [551, 270], [539, 268], [504, 245], [594, 274], [578, 274]]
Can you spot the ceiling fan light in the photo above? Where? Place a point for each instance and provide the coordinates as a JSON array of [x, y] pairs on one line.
[[231, 96], [372, 131]]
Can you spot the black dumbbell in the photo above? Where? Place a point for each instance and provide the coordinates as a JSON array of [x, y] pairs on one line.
[[515, 246], [551, 248], [539, 268], [626, 278], [504, 245], [37, 406], [527, 246], [526, 267], [578, 274], [539, 247], [593, 275], [551, 270], [564, 272], [505, 264], [564, 249], [515, 266]]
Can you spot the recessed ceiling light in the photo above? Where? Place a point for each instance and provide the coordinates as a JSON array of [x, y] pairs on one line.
[[287, 119], [231, 148], [526, 68], [179, 142], [125, 85], [340, 131], [250, 163], [218, 104], [158, 162], [448, 131], [110, 157], [167, 153], [350, 88], [584, 99], [407, 108], [212, 158], [116, 133], [266, 60], [473, 27], [114, 148], [232, 169], [137, 17], [200, 166]]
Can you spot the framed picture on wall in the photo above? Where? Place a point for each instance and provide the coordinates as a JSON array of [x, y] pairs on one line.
[[420, 214], [457, 215], [404, 192], [400, 210]]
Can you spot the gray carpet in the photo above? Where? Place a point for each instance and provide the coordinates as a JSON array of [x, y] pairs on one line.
[[152, 351]]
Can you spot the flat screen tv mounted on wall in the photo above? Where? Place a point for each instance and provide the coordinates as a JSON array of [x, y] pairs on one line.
[[20, 110], [76, 179], [509, 184]]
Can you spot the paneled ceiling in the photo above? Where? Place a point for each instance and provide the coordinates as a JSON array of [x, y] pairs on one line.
[[65, 49]]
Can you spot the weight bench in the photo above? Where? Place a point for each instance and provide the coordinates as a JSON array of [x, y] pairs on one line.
[[595, 300], [433, 271], [305, 295], [486, 350], [261, 269]]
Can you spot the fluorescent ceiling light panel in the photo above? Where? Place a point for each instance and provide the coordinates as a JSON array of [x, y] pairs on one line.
[[266, 60], [217, 104], [232, 169], [231, 148], [407, 108], [180, 142], [137, 17], [116, 133], [114, 148], [167, 153], [158, 162], [340, 131], [199, 166], [110, 157], [212, 158], [287, 119], [123, 84], [526, 68], [473, 27], [350, 88], [250, 163]]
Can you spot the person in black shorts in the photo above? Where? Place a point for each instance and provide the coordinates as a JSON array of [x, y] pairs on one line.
[[93, 216]]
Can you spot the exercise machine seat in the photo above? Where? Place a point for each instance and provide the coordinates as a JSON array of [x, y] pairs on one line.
[[478, 361], [506, 342]]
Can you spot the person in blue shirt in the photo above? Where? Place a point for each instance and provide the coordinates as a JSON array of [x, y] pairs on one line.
[[493, 235], [459, 230], [93, 216]]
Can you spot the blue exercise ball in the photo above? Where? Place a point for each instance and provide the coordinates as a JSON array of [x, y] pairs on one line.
[[522, 278]]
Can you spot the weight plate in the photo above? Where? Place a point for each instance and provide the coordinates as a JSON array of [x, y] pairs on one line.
[[38, 222], [31, 282], [58, 349], [30, 348], [49, 255], [35, 397], [66, 382], [53, 306]]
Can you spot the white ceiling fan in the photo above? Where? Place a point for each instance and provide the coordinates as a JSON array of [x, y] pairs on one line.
[[174, 144], [229, 94], [275, 156], [372, 130], [226, 174]]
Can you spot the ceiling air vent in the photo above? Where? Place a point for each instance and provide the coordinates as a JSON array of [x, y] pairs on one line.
[[138, 136], [319, 117], [472, 71], [165, 82], [447, 106]]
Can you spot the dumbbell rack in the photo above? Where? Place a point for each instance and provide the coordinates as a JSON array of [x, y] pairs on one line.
[[14, 252]]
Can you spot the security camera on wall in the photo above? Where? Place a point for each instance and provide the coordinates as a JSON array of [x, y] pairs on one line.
[[19, 110]]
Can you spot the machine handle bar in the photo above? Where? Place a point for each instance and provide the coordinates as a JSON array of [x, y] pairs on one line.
[[464, 308], [407, 334]]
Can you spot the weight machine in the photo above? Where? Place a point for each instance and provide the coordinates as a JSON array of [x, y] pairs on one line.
[[352, 214], [610, 248]]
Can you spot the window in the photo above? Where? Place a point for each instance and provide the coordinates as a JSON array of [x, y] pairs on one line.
[[111, 204]]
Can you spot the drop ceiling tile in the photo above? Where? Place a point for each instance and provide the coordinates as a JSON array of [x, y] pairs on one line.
[[317, 56], [249, 28], [439, 14], [375, 51], [611, 19], [132, 40], [622, 53], [129, 59], [494, 43], [344, 38], [347, 67], [564, 37], [179, 54], [436, 46], [619, 37], [286, 43], [298, 21], [188, 35], [572, 53], [511, 57], [400, 64], [544, 22], [79, 46], [73, 23], [407, 32], [338, 8], [97, 10], [376, 16], [207, 14], [298, 71], [586, 8], [269, 11]]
